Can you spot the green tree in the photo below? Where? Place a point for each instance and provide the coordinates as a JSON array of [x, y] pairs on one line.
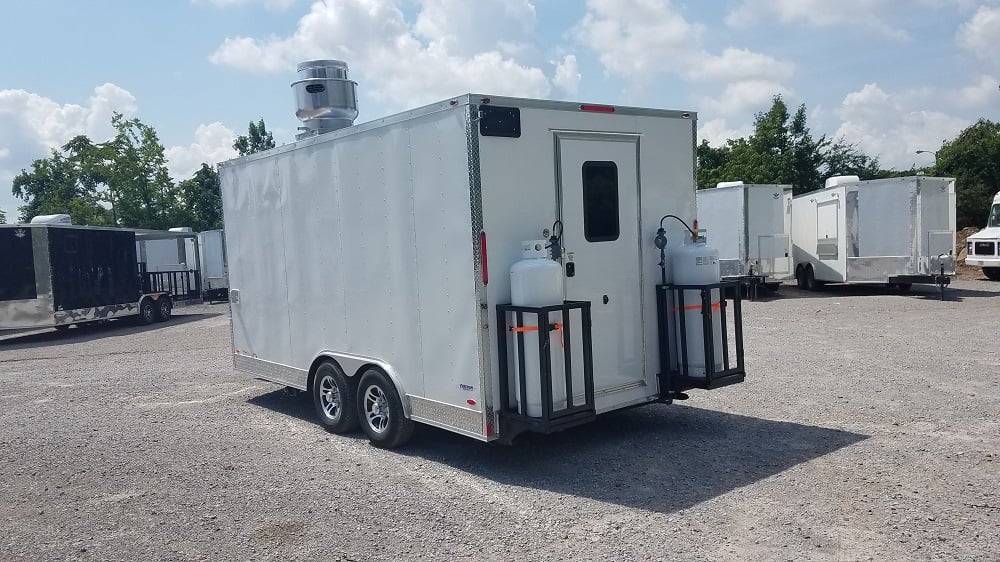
[[3, 217], [122, 182], [844, 159], [973, 159], [201, 196], [57, 185], [780, 150], [258, 138]]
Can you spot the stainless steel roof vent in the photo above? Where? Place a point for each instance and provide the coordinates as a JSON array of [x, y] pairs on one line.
[[325, 99]]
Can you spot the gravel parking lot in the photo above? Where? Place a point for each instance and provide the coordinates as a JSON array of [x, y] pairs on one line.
[[867, 429]]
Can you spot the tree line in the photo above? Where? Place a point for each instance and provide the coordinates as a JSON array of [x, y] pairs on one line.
[[124, 181], [781, 150]]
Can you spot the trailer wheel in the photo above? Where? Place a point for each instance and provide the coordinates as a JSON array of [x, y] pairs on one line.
[[147, 312], [992, 273], [163, 308], [800, 277], [333, 397], [809, 279], [381, 411]]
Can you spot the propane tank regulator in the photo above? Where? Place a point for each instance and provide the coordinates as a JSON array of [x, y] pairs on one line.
[[660, 241]]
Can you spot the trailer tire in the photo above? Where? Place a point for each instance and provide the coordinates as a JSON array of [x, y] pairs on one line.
[[333, 397], [992, 273], [147, 312], [800, 277], [163, 308], [809, 279], [380, 411]]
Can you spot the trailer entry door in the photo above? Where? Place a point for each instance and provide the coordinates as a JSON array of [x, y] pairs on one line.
[[599, 208]]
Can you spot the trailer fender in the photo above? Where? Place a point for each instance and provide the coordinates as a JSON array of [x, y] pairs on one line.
[[354, 365]]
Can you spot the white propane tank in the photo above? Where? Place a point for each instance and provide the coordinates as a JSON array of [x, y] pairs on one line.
[[536, 280], [697, 263]]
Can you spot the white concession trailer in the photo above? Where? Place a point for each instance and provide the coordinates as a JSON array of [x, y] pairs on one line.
[[214, 274], [895, 231], [751, 225], [371, 265]]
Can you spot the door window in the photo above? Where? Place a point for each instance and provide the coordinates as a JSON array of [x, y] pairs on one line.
[[600, 201]]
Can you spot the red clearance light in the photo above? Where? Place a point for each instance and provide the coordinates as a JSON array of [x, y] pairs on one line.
[[470, 402], [482, 255], [597, 108]]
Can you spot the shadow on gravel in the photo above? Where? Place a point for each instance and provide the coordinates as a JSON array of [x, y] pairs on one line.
[[90, 332], [925, 292], [657, 457]]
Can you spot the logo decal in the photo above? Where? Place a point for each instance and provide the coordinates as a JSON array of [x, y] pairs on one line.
[[467, 387], [20, 233]]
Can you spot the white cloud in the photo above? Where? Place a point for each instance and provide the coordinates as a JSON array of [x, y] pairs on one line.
[[31, 125], [213, 143], [464, 26], [641, 40], [718, 131], [893, 126], [567, 77], [49, 124], [744, 97], [638, 39], [395, 61], [979, 94], [864, 14], [981, 35], [740, 64]]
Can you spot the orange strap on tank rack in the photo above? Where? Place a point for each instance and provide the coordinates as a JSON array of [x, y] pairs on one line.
[[698, 306], [533, 328]]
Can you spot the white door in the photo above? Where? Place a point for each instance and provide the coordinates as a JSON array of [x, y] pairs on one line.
[[599, 209]]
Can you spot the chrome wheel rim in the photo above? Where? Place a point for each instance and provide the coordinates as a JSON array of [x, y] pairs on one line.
[[376, 409], [329, 397]]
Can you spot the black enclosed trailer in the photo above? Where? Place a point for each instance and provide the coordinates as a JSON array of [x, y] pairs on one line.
[[59, 275]]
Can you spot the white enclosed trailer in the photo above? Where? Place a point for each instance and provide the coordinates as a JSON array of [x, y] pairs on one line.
[[214, 275], [751, 226], [895, 231], [983, 248], [370, 265]]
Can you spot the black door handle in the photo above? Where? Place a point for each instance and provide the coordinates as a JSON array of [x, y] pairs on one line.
[[605, 299]]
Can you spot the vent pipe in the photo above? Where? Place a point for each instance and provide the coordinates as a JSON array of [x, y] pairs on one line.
[[325, 99]]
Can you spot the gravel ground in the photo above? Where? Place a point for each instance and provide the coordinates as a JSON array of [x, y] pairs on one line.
[[867, 429]]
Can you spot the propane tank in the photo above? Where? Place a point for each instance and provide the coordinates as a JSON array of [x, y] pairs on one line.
[[536, 280], [697, 263]]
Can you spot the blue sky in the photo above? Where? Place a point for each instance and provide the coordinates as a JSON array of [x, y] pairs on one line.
[[892, 76]]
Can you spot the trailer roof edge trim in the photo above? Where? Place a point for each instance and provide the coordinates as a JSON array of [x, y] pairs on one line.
[[451, 104]]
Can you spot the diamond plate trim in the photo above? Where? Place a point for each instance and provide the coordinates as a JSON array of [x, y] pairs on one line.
[[461, 420], [274, 372], [482, 316]]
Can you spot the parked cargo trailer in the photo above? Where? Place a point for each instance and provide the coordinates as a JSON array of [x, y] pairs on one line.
[[982, 249], [371, 265], [751, 226], [214, 277], [59, 275], [896, 231]]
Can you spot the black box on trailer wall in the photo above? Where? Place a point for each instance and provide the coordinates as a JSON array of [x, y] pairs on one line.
[[92, 267], [17, 279]]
